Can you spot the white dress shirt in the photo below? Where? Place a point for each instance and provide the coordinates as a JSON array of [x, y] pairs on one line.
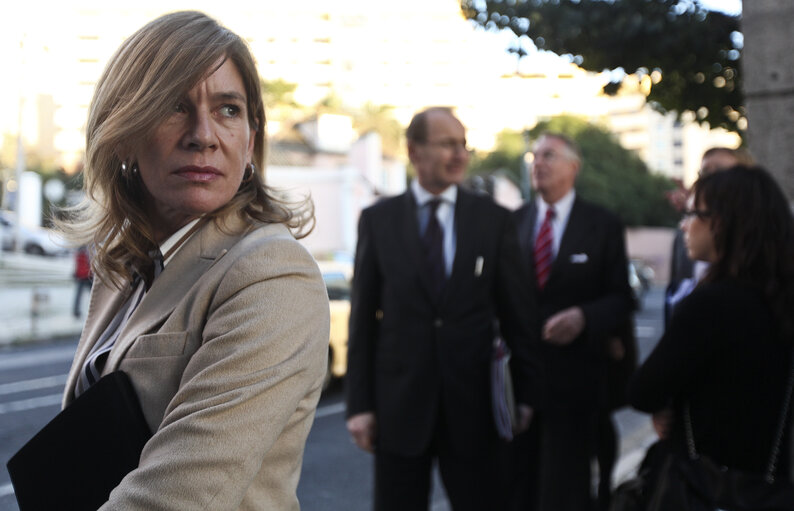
[[93, 364], [563, 211]]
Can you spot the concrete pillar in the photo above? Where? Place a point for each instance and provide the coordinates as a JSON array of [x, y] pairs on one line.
[[768, 75]]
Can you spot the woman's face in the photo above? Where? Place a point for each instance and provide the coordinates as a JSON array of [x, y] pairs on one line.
[[194, 161], [698, 235]]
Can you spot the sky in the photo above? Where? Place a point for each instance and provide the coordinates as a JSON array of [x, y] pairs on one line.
[[34, 71], [727, 6]]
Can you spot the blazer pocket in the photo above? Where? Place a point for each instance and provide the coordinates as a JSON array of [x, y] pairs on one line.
[[158, 345]]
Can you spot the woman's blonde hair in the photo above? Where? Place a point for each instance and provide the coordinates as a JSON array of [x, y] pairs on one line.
[[145, 78]]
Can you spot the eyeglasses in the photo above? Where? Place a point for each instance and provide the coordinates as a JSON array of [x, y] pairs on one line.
[[700, 213], [450, 145], [550, 155]]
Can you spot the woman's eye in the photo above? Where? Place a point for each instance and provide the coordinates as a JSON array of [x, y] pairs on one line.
[[229, 111], [180, 108]]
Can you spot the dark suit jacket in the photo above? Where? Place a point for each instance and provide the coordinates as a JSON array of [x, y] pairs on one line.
[[590, 271], [681, 267], [410, 355], [723, 354]]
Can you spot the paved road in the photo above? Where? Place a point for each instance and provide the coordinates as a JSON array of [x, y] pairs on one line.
[[336, 475]]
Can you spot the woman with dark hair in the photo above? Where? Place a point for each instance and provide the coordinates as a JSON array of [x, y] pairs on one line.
[[203, 296], [727, 353]]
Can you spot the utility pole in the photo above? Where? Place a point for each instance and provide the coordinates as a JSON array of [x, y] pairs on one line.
[[768, 76]]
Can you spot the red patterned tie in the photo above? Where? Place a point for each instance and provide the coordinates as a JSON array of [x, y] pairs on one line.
[[544, 249]]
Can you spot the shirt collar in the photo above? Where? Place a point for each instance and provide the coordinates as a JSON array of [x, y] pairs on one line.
[[422, 196], [173, 239], [562, 207]]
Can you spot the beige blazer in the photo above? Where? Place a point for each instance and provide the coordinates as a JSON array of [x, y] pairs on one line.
[[227, 353]]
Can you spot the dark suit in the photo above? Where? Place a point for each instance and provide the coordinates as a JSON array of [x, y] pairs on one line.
[[589, 271], [422, 363], [681, 267]]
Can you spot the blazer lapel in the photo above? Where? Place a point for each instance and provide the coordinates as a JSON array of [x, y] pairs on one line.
[[413, 242], [573, 231], [526, 235], [198, 254], [105, 302], [465, 218]]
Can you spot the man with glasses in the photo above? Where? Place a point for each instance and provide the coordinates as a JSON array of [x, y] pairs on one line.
[[577, 266], [437, 271]]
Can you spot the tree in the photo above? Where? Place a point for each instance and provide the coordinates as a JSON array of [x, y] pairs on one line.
[[507, 156], [379, 118], [611, 175], [278, 93], [689, 53]]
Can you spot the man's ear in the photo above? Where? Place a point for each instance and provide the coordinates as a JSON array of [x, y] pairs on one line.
[[413, 147], [576, 169]]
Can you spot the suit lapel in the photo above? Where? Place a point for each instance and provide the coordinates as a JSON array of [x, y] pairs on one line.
[[465, 232], [526, 235], [197, 255], [574, 230], [105, 302], [413, 242]]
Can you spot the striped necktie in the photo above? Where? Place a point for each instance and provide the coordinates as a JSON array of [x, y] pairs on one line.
[[544, 249]]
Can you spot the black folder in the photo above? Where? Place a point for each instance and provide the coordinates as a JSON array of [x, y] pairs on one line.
[[75, 461]]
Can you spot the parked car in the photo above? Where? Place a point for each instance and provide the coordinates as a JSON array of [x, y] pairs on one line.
[[337, 281], [640, 278], [35, 240]]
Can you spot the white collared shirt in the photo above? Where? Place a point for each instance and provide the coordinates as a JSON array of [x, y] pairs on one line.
[[101, 349], [563, 209], [171, 241], [445, 214]]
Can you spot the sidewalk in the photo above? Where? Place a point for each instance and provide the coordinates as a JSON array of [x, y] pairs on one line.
[[36, 299]]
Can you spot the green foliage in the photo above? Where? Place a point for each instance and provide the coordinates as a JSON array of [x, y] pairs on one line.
[[613, 176], [696, 51], [280, 105], [278, 94], [379, 118], [508, 155]]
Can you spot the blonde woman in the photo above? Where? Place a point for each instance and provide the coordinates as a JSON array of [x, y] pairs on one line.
[[203, 296]]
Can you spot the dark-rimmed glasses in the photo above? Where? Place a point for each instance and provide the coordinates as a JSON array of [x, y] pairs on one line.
[[700, 213], [449, 145]]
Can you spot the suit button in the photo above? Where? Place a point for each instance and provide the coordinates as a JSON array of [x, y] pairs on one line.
[[438, 323]]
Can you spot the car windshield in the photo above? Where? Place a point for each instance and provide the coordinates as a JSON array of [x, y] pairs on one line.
[[338, 286]]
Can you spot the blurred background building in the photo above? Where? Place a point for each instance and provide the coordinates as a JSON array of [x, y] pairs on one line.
[[397, 57]]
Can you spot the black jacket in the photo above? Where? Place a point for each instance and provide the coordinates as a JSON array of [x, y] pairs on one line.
[[410, 355], [721, 354], [590, 271]]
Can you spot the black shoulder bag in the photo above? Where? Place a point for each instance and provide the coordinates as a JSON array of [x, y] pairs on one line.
[[697, 483]]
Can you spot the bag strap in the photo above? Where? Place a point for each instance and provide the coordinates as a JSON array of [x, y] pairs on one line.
[[773, 459], [770, 475]]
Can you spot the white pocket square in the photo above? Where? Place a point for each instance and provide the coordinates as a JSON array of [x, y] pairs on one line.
[[478, 266], [578, 258]]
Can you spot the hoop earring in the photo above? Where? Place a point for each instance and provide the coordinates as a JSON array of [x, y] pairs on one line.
[[248, 173], [128, 171]]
